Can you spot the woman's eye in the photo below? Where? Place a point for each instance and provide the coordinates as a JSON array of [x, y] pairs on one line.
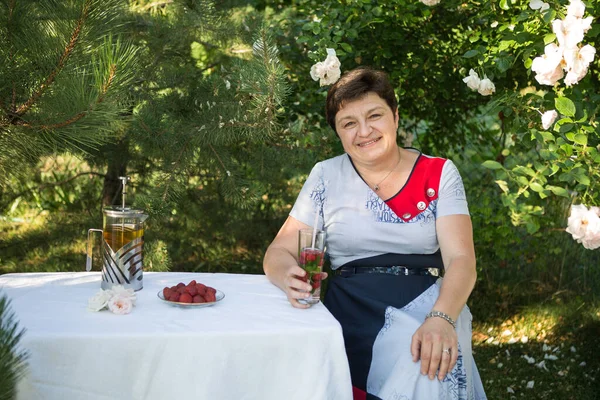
[[375, 116], [348, 125]]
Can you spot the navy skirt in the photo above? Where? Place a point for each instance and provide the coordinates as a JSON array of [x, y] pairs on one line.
[[359, 303]]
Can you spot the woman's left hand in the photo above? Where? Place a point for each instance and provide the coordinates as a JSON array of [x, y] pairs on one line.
[[435, 343]]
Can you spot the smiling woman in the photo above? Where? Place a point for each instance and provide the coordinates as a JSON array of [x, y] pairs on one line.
[[395, 221]]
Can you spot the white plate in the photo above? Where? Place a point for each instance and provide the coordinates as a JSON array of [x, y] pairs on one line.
[[219, 296]]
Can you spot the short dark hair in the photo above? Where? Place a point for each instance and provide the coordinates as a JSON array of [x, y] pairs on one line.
[[355, 84]]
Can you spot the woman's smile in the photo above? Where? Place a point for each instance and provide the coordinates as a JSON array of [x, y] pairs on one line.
[[370, 142]]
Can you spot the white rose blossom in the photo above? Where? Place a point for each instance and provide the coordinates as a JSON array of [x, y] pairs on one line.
[[576, 9], [472, 80], [120, 305], [119, 290], [548, 68], [430, 2], [100, 300], [568, 56], [539, 5], [584, 225], [328, 71], [548, 119], [571, 30], [577, 61], [591, 239], [486, 87], [576, 225]]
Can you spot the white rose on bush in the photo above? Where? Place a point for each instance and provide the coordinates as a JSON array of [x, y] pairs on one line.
[[584, 225], [430, 2], [576, 8], [328, 71], [548, 119], [539, 5], [472, 80], [484, 86], [548, 67], [567, 56]]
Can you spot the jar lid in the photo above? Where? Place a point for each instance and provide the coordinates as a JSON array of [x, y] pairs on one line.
[[126, 212]]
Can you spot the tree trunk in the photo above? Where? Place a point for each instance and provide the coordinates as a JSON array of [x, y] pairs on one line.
[[117, 157]]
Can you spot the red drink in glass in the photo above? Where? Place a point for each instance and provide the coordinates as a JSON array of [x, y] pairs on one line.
[[311, 254]]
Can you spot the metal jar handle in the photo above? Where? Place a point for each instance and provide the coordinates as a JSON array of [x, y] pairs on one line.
[[88, 261]]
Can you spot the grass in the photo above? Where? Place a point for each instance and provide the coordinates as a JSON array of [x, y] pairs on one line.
[[514, 318], [550, 342]]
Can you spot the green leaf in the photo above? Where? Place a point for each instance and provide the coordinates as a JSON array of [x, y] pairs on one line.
[[504, 4], [536, 187], [471, 53], [583, 179], [489, 164], [523, 170], [503, 185], [532, 227], [503, 64], [581, 139], [307, 26], [547, 136], [505, 44], [549, 16], [347, 48], [559, 191], [565, 128], [565, 106], [549, 38]]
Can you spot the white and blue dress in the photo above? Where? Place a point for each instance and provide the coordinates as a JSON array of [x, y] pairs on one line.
[[379, 312]]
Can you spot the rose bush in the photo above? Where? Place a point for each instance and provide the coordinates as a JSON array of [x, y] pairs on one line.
[[516, 78]]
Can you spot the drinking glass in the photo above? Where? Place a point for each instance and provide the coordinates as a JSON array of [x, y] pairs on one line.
[[310, 258]]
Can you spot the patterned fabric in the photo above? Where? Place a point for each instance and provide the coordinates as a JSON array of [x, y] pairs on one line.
[[359, 224], [394, 376]]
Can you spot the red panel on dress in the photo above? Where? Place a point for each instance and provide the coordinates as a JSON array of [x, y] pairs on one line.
[[421, 188]]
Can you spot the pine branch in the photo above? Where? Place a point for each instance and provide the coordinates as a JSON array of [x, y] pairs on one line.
[[268, 55], [12, 359], [61, 62], [77, 117]]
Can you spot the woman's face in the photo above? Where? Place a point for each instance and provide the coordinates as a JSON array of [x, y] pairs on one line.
[[367, 128]]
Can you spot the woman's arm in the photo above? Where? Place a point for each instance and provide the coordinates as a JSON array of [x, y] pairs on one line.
[[281, 263], [455, 236]]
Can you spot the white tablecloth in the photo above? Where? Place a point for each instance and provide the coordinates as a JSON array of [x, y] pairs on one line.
[[251, 345]]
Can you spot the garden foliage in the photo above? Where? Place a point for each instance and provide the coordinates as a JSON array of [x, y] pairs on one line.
[[431, 51]]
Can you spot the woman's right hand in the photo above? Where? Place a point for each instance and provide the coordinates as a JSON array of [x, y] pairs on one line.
[[295, 287]]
